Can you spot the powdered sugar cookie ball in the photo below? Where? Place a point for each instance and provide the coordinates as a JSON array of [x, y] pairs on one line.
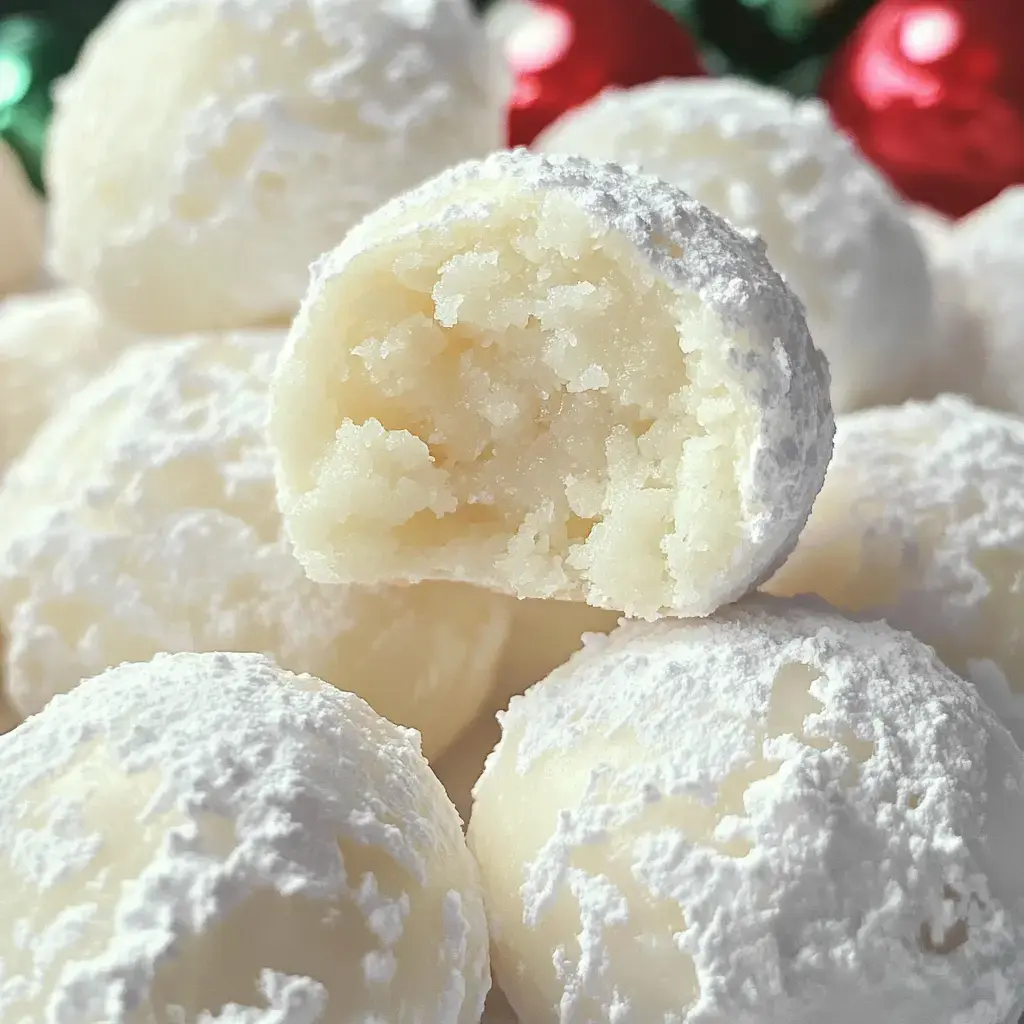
[[555, 379], [196, 198], [21, 225], [988, 250], [51, 344], [777, 166], [142, 519], [921, 521], [207, 837], [769, 815]]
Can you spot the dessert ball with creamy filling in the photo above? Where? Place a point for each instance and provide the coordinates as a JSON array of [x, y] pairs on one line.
[[21, 226], [142, 519], [988, 250], [207, 837], [204, 152], [921, 522], [555, 379], [777, 166], [773, 814], [51, 344]]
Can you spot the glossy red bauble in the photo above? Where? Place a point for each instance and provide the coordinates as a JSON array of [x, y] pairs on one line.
[[933, 93], [564, 52]]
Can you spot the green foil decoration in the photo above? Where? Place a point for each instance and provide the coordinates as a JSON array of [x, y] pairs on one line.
[[777, 42], [37, 47]]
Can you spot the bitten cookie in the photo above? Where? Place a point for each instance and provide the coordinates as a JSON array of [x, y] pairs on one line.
[[555, 379], [773, 814], [142, 519], [207, 837]]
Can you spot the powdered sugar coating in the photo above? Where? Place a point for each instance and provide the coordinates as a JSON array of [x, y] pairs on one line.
[[196, 198], [142, 519], [51, 344], [988, 251], [921, 522], [772, 814], [207, 837], [21, 225], [778, 167], [576, 382]]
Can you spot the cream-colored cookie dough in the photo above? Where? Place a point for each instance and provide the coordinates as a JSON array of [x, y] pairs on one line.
[[769, 815], [555, 379], [988, 252], [777, 166], [142, 519], [21, 226], [208, 838], [921, 521], [204, 152], [51, 344]]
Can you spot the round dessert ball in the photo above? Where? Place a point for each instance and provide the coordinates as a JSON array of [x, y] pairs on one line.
[[51, 344], [142, 519], [21, 226], [921, 522], [196, 197], [567, 381], [207, 837], [988, 251], [769, 815], [777, 166]]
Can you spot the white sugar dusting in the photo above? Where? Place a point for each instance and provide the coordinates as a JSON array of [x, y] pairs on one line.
[[195, 795], [773, 814]]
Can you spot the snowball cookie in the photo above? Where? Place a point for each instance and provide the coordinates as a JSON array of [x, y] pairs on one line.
[[778, 166], [142, 519], [988, 248], [769, 815], [196, 198], [51, 344], [921, 521], [21, 226], [555, 379], [207, 837]]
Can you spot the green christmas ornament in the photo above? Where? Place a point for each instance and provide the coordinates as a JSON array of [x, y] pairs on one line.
[[786, 43], [36, 48]]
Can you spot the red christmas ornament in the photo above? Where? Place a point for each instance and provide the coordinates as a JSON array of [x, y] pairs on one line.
[[564, 52], [933, 93]]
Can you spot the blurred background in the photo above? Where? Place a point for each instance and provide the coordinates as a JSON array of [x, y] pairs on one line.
[[931, 90]]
